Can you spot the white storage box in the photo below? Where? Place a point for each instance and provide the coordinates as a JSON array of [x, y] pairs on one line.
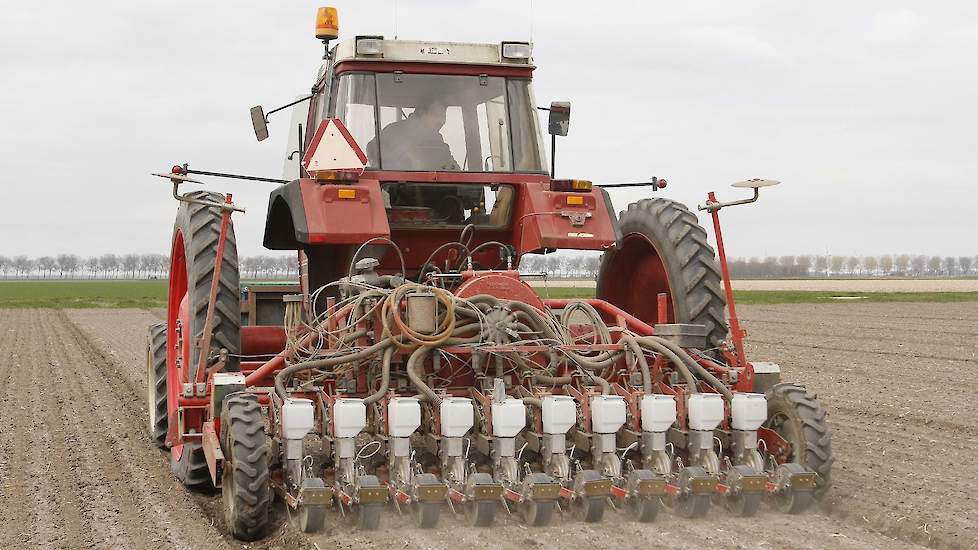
[[607, 413], [705, 411], [559, 413], [658, 412], [349, 417], [457, 416], [403, 416], [748, 411], [508, 418], [298, 418]]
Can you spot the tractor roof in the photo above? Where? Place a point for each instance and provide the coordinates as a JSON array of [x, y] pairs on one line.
[[414, 51]]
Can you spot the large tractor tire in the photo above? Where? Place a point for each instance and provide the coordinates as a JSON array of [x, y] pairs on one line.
[[156, 384], [665, 250], [795, 414], [196, 234], [245, 487]]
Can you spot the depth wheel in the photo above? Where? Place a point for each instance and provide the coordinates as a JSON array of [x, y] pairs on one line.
[[189, 466], [743, 504], [693, 506], [368, 515], [690, 504], [537, 513], [311, 518], [591, 509], [795, 414], [245, 489], [790, 500], [664, 249], [427, 514], [645, 509], [156, 384], [482, 512]]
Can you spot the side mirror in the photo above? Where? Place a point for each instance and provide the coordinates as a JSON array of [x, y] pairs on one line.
[[559, 118], [259, 123]]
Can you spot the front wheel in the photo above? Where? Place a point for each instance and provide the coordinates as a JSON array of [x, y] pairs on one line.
[[156, 399], [246, 489], [795, 414]]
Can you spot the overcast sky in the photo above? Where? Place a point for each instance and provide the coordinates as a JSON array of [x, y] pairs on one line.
[[866, 111]]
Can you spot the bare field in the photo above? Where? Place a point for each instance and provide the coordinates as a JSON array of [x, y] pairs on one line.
[[825, 285], [77, 471]]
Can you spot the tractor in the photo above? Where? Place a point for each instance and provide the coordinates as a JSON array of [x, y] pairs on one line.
[[413, 368]]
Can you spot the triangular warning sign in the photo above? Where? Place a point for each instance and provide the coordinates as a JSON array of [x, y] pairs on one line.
[[333, 148]]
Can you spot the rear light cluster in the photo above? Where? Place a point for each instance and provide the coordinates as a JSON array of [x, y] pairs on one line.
[[570, 186]]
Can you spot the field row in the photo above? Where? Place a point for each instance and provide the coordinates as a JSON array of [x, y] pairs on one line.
[[152, 294]]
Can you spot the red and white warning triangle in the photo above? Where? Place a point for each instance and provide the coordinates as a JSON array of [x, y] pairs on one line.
[[333, 148]]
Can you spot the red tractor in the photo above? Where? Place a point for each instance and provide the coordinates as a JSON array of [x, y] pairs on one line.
[[413, 367]]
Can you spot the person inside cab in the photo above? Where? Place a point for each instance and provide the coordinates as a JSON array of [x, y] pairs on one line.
[[416, 143]]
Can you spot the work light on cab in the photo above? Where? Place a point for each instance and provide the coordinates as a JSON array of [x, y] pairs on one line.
[[327, 24]]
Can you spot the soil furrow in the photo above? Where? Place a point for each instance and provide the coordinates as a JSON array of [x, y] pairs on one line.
[[15, 442]]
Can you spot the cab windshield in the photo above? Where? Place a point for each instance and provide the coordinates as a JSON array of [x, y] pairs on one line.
[[421, 122]]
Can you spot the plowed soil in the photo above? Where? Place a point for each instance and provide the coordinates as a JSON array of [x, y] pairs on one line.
[[77, 471]]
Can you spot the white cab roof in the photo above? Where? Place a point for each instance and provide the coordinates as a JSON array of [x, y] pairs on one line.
[[431, 52]]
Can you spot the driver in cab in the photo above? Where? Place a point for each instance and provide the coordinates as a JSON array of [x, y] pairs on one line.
[[416, 143]]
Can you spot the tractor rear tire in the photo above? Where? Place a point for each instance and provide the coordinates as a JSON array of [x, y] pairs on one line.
[[156, 384], [191, 271], [200, 227], [795, 414], [665, 250], [246, 489]]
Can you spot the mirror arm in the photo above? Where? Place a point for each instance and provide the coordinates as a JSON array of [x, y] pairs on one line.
[[711, 206], [296, 102]]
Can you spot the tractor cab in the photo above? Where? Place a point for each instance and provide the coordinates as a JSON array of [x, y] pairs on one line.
[[435, 106], [452, 151]]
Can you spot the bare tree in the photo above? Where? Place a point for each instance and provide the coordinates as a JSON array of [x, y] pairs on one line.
[[902, 264], [109, 263], [917, 265], [822, 265], [22, 266], [934, 265], [92, 265], [886, 264], [964, 262], [67, 263], [5, 265], [130, 262], [787, 264], [871, 265], [46, 264], [838, 263], [951, 266], [852, 264]]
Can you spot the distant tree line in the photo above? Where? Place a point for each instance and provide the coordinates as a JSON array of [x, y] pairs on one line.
[[130, 266], [563, 265], [556, 265], [887, 265]]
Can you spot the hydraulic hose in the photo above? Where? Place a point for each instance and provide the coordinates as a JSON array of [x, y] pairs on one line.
[[656, 345], [385, 377], [643, 365], [696, 367], [332, 361], [420, 355]]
